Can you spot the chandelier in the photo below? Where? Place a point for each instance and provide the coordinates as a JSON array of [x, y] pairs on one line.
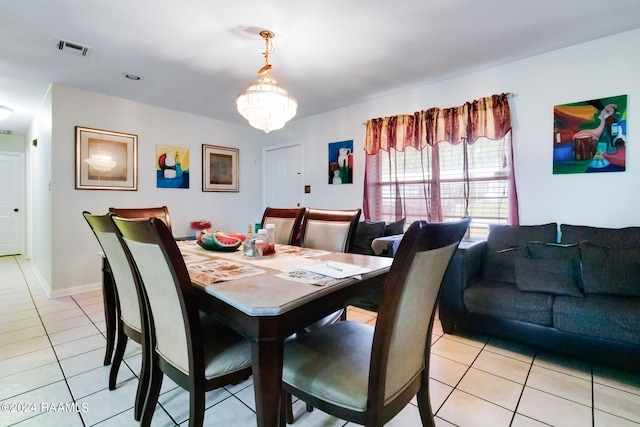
[[265, 103]]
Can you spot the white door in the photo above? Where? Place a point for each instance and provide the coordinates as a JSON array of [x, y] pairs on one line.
[[282, 171], [11, 204]]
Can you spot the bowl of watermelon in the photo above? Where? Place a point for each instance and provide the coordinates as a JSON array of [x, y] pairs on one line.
[[220, 242]]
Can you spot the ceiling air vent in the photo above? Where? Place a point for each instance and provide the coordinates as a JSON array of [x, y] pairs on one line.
[[71, 47]]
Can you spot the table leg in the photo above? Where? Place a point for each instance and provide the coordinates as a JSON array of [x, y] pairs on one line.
[[109, 297], [266, 357]]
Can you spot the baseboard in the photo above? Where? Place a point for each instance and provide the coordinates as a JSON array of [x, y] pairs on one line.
[[75, 290]]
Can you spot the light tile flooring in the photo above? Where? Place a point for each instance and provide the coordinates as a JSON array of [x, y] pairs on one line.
[[51, 374]]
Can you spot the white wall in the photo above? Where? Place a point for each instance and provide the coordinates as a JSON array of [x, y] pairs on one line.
[[592, 70], [39, 166], [75, 261], [14, 143]]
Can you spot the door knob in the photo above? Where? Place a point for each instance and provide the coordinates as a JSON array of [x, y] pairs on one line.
[[16, 210]]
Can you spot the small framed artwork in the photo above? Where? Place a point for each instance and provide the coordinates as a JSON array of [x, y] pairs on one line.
[[106, 160], [172, 166], [341, 162], [220, 168]]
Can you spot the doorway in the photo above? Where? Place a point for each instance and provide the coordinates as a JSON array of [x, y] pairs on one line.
[[282, 176], [12, 218]]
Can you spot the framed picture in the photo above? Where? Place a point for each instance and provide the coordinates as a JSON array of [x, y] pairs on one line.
[[220, 167], [106, 160]]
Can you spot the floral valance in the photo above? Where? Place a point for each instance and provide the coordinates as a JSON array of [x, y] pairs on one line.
[[485, 117]]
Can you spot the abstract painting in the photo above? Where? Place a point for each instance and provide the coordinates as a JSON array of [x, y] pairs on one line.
[[172, 166], [341, 162], [590, 136]]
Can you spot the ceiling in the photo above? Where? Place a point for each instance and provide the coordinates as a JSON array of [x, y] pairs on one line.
[[195, 55]]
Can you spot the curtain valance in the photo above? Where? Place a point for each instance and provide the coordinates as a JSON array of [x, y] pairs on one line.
[[485, 117]]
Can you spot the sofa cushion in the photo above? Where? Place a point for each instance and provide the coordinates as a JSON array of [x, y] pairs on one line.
[[611, 271], [541, 250], [505, 300], [610, 237], [506, 236], [506, 243], [366, 232], [499, 266], [603, 316], [552, 276], [394, 228]]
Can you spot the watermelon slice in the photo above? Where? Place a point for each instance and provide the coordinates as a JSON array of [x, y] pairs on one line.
[[220, 242]]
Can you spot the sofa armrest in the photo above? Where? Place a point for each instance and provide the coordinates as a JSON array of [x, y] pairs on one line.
[[387, 245], [465, 268]]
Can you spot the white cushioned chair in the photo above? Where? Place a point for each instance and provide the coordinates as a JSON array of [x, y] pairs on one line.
[[193, 349], [365, 374], [287, 222], [129, 304], [331, 230]]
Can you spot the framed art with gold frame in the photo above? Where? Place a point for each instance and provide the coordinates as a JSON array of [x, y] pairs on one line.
[[220, 168], [106, 160]]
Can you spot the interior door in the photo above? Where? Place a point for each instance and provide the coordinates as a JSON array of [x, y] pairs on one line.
[[282, 171], [12, 216]]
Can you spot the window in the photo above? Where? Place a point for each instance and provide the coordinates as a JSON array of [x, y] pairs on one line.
[[435, 185]]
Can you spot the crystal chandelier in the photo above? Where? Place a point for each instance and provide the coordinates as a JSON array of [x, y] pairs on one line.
[[265, 103]]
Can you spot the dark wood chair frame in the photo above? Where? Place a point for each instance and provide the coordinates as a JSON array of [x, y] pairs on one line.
[[102, 223], [108, 289], [420, 236], [296, 213], [352, 215], [155, 231]]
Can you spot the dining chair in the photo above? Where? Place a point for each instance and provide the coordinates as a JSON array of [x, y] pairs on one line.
[[193, 349], [287, 222], [366, 374], [161, 212], [130, 307], [331, 230]]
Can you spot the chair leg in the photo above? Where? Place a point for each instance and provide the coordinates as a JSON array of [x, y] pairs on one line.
[[143, 387], [152, 397], [424, 406], [196, 410], [288, 407], [117, 357]]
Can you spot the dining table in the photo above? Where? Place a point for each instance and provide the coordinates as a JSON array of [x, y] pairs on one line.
[[268, 298]]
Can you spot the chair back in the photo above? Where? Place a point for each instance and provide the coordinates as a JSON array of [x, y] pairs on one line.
[[331, 230], [287, 222], [123, 272], [169, 292], [402, 337], [161, 212]]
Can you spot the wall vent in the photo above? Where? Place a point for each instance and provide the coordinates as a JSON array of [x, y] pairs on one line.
[[5, 132], [71, 47]]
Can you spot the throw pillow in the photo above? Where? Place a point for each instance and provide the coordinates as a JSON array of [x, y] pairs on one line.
[[551, 276], [540, 250], [499, 266], [394, 228], [366, 231], [614, 271]]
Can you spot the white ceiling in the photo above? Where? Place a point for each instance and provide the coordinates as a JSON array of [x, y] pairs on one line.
[[196, 55]]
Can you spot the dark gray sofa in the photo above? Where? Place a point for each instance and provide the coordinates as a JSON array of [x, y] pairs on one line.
[[572, 289]]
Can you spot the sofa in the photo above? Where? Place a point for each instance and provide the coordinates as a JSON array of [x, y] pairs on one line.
[[571, 289]]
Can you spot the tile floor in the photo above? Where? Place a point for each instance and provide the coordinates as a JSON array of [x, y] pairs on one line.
[[51, 374]]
